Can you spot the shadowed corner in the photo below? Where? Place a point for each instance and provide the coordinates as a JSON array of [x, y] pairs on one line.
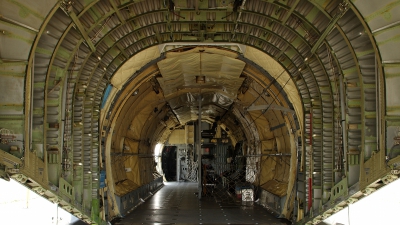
[[79, 222]]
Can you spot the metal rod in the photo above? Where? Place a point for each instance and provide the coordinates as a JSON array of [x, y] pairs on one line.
[[377, 106], [273, 154], [386, 27], [199, 149], [63, 112], [343, 120], [81, 29], [18, 23], [310, 179], [178, 167], [343, 7], [240, 46], [31, 104], [238, 20]]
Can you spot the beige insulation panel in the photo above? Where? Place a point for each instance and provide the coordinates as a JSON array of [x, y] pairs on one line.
[[221, 71], [177, 137], [179, 71], [275, 69], [189, 132], [147, 167], [133, 64], [267, 163], [139, 113]]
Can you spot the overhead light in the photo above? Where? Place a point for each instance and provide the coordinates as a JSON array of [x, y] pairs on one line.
[[99, 58], [200, 79], [305, 60], [135, 92], [105, 69]]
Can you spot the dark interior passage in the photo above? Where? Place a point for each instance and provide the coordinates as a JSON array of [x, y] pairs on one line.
[[177, 203]]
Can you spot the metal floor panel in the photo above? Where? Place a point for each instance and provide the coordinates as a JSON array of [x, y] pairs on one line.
[[177, 203]]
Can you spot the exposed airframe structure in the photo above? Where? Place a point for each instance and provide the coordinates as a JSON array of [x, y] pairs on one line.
[[89, 87]]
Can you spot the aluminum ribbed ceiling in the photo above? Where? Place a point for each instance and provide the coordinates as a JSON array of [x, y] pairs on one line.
[[219, 84]]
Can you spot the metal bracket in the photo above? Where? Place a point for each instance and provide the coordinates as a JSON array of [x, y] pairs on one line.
[[79, 25], [343, 7]]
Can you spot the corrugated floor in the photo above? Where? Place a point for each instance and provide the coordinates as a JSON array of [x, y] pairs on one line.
[[177, 203]]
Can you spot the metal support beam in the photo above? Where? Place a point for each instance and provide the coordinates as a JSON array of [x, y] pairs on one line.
[[119, 15], [11, 21], [238, 20], [377, 31], [342, 10], [13, 62], [343, 122], [391, 63], [122, 50], [132, 154], [278, 126], [199, 149], [328, 30], [271, 106], [157, 34], [377, 105], [197, 7], [290, 12], [280, 154], [79, 25]]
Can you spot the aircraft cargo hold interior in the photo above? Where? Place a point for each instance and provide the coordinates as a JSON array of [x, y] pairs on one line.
[[200, 111]]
